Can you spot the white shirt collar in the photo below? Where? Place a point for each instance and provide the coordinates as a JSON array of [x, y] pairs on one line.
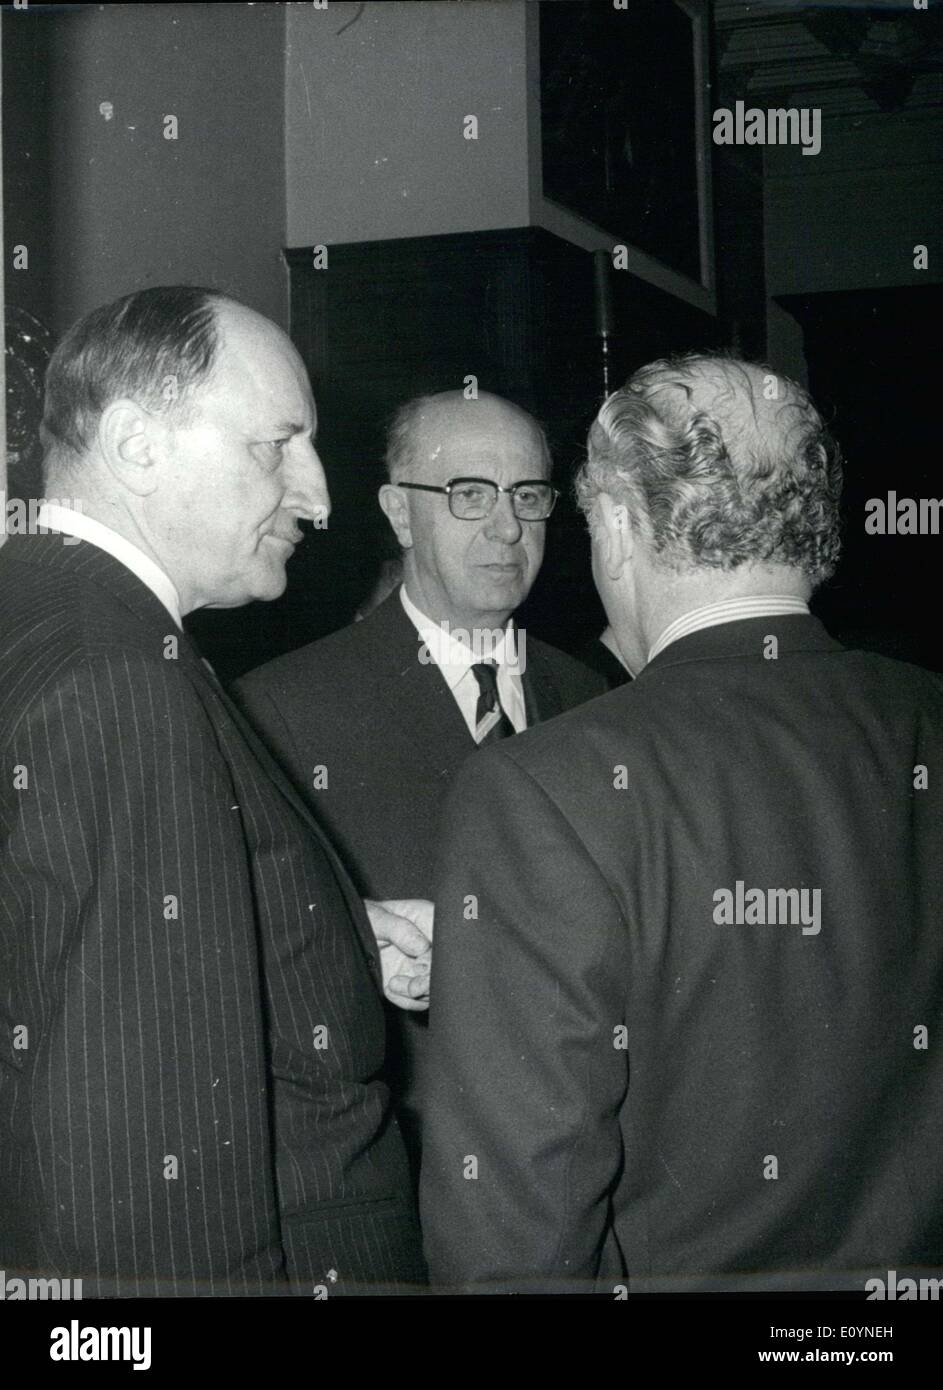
[[729, 610], [453, 649], [86, 528]]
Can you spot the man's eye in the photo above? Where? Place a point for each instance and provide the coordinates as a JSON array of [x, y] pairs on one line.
[[271, 449]]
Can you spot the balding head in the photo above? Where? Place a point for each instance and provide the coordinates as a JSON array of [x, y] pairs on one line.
[[156, 346], [420, 427], [720, 464]]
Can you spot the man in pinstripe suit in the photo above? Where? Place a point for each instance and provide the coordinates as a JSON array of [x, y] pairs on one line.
[[191, 1026]]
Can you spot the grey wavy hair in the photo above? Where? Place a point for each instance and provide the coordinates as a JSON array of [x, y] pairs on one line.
[[766, 491]]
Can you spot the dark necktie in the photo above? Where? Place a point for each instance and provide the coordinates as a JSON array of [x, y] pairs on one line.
[[488, 727]]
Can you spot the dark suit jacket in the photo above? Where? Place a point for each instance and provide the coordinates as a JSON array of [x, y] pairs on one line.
[[386, 729], [390, 735], [197, 1108], [643, 1089]]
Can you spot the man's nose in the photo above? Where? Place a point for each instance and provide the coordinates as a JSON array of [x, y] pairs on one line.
[[502, 523], [307, 492]]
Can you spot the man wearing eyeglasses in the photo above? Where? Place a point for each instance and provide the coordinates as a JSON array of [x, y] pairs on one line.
[[374, 721]]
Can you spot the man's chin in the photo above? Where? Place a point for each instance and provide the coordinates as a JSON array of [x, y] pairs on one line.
[[267, 589], [500, 593], [265, 593]]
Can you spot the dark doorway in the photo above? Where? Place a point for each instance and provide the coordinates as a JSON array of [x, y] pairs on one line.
[[874, 371]]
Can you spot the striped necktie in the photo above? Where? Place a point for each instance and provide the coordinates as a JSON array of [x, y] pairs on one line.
[[491, 722]]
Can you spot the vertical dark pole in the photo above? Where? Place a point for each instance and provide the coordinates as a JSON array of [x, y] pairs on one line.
[[605, 318]]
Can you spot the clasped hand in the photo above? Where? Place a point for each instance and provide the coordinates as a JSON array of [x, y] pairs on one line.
[[403, 931]]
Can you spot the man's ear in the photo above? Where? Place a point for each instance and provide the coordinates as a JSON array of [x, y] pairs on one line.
[[616, 534], [396, 509], [126, 441]]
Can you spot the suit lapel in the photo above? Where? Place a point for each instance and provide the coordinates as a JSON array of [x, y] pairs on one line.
[[425, 711], [202, 672], [541, 696]]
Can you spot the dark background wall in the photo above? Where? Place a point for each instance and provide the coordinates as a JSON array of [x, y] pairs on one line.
[[851, 311], [873, 365], [363, 106]]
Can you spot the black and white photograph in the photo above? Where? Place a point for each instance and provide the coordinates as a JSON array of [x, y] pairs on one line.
[[471, 676]]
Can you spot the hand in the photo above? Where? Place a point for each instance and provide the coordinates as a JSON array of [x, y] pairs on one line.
[[403, 929]]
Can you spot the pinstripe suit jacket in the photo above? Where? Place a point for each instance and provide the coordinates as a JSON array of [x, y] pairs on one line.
[[191, 1026]]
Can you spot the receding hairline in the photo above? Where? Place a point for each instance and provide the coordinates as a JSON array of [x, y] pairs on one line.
[[242, 331], [444, 402], [219, 312], [445, 410]]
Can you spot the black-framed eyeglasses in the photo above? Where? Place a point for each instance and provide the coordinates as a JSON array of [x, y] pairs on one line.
[[472, 499]]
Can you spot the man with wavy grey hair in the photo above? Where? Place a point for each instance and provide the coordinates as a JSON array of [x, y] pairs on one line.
[[722, 483], [686, 1038]]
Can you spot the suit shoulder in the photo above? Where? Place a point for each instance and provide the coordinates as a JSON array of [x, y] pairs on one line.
[[48, 629], [42, 609], [893, 669], [542, 768], [332, 670], [120, 685], [550, 748], [899, 682], [332, 660]]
